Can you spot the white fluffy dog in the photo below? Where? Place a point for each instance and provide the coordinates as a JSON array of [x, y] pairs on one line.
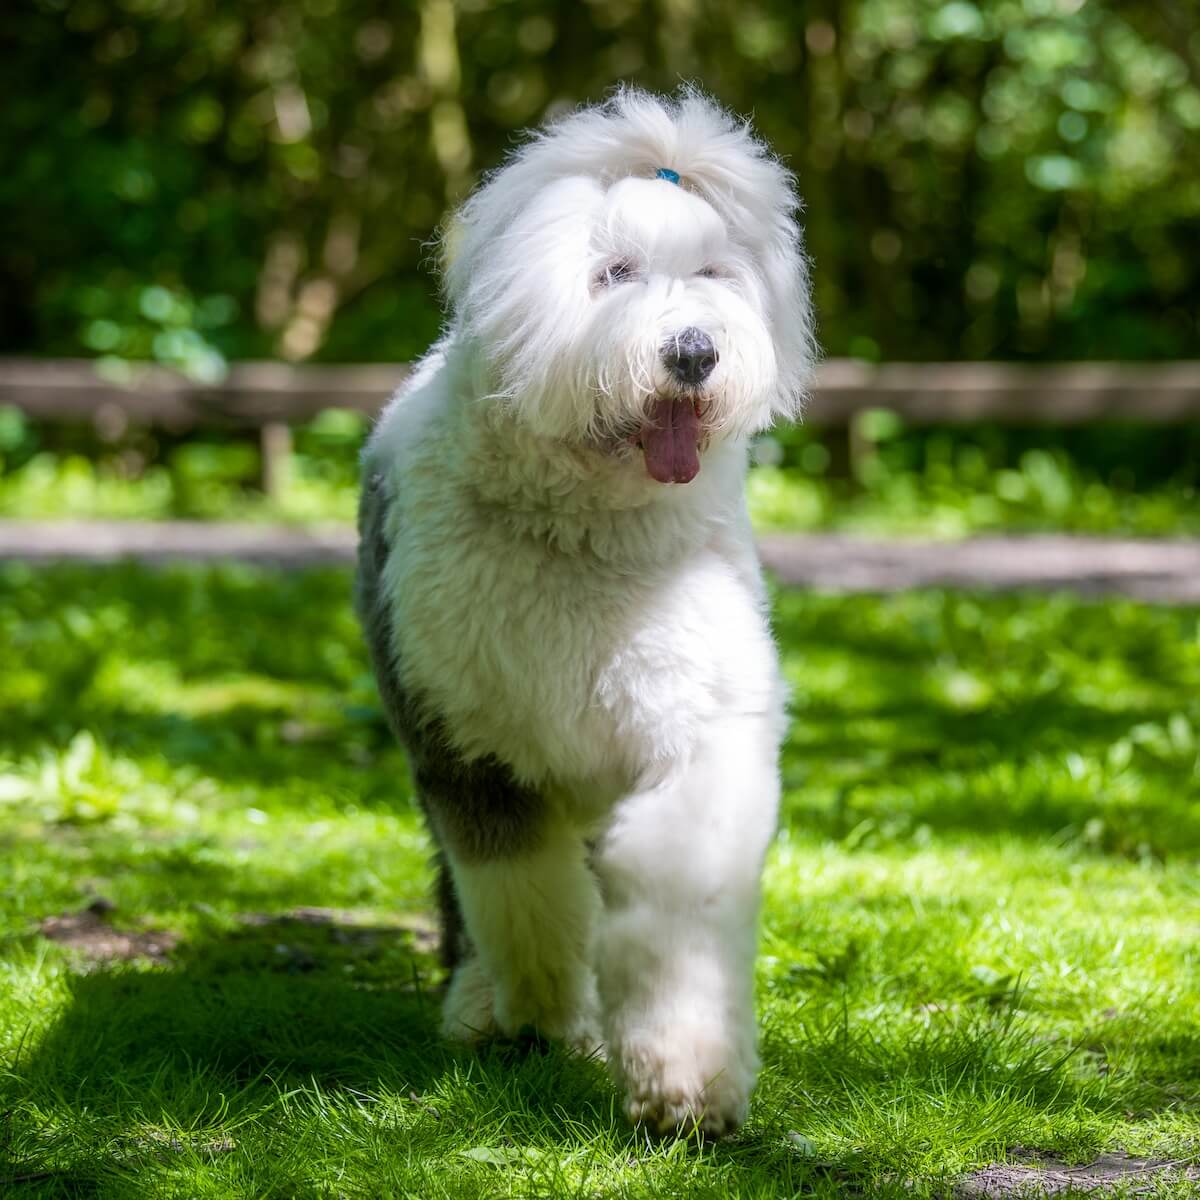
[[562, 600]]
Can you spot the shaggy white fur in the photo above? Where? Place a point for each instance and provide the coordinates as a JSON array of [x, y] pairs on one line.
[[567, 599]]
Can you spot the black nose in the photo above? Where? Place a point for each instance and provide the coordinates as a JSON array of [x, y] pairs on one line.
[[690, 355]]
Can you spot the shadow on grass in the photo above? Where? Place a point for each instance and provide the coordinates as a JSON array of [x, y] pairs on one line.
[[255, 1031], [243, 745], [914, 751], [1034, 772], [239, 1019], [1077, 722], [276, 997]]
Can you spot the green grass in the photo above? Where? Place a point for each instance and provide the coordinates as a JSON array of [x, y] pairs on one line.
[[980, 931], [943, 483]]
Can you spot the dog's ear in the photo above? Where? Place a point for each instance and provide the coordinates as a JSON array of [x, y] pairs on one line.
[[785, 269], [466, 232], [478, 267], [721, 158], [479, 226]]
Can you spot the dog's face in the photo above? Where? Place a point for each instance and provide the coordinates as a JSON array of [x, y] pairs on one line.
[[625, 311]]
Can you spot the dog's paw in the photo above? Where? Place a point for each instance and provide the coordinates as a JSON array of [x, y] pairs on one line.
[[469, 1010], [558, 1000], [582, 1036], [686, 1079], [476, 1010]]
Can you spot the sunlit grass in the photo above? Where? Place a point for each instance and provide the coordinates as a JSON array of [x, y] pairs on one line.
[[979, 930], [1044, 494], [921, 484]]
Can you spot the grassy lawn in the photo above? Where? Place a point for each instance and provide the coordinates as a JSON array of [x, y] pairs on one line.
[[217, 975]]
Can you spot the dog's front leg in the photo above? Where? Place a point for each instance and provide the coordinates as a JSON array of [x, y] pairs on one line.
[[679, 868], [530, 919]]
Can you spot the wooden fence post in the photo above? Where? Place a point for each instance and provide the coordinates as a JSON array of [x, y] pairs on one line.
[[275, 448]]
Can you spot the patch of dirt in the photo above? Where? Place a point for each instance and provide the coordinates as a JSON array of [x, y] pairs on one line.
[[90, 935], [350, 928], [300, 933], [370, 951], [1050, 1177]]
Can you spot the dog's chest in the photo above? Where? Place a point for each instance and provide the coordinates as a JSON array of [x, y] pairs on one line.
[[564, 667]]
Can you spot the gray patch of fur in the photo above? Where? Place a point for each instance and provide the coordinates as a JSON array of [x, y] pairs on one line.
[[476, 808]]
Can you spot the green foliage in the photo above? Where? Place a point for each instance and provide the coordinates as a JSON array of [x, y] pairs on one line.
[[955, 481], [195, 180], [944, 482], [978, 930], [49, 472]]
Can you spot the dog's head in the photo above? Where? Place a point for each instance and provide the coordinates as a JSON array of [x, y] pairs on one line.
[[633, 277]]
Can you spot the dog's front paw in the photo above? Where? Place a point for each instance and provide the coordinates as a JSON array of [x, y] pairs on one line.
[[576, 1027], [476, 1009], [686, 1078], [469, 1010], [582, 1036]]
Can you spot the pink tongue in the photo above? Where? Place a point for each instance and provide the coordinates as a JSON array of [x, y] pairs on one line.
[[671, 441]]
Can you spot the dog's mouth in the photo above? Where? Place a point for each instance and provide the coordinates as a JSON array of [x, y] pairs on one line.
[[671, 438]]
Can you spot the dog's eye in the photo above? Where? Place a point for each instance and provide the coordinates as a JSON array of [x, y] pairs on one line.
[[620, 270], [712, 271]]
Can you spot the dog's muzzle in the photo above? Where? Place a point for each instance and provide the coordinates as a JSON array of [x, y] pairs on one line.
[[672, 434]]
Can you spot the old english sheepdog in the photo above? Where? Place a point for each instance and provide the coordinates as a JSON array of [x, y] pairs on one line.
[[562, 600]]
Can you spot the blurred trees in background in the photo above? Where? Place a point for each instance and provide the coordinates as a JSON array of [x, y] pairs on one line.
[[198, 180]]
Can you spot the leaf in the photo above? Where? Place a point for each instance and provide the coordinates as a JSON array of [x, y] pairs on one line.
[[497, 1156], [802, 1144], [504, 1156]]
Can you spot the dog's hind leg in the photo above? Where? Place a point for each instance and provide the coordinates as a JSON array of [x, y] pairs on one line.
[[679, 869]]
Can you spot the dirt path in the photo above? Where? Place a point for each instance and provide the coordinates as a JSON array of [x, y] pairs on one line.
[[1166, 571]]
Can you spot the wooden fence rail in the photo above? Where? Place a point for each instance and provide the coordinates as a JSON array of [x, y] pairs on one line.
[[255, 393], [270, 397]]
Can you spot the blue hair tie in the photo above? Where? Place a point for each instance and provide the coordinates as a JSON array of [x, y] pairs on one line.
[[667, 174]]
